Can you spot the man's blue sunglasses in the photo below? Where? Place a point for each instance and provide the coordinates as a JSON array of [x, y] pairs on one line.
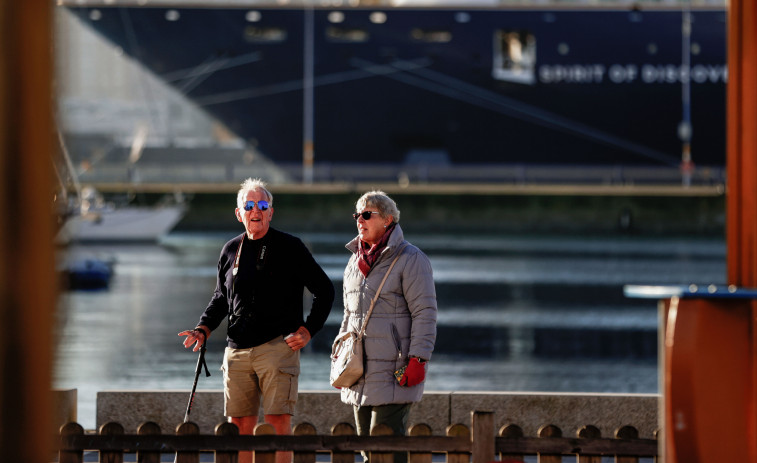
[[262, 205]]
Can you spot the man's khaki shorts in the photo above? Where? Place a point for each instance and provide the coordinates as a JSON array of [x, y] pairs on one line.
[[270, 370]]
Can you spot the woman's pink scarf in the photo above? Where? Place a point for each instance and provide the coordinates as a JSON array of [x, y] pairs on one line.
[[367, 254]]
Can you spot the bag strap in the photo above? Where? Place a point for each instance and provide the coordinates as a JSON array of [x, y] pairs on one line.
[[378, 291]]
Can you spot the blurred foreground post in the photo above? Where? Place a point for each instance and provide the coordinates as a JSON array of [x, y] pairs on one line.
[[710, 344], [28, 284]]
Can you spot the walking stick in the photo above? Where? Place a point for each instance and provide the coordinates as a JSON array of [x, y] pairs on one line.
[[200, 364]]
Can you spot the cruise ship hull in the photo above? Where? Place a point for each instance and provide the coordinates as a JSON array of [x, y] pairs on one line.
[[444, 86]]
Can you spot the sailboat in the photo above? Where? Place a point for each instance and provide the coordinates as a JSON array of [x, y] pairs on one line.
[[97, 220], [88, 217]]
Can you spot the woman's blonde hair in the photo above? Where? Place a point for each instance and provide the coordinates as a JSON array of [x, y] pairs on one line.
[[381, 201]]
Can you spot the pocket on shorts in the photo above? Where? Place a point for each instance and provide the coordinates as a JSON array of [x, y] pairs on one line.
[[293, 374], [293, 371], [233, 361], [225, 363]]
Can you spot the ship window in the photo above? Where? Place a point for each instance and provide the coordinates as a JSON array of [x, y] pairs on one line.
[[377, 17], [340, 34], [436, 36], [255, 34], [173, 15], [514, 56], [253, 16], [462, 17], [336, 17]]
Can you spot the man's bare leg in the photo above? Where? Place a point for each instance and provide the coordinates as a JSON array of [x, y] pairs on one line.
[[283, 426], [246, 425]]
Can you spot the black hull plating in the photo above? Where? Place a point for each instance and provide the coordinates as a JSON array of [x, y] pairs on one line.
[[605, 88]]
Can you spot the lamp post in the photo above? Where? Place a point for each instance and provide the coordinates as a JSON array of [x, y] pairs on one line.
[[684, 128], [308, 150]]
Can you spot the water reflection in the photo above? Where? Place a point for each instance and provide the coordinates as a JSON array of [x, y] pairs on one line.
[[515, 313]]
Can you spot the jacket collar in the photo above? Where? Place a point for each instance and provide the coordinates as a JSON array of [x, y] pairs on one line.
[[395, 240]]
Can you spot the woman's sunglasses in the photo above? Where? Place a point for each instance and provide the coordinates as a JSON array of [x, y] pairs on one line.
[[366, 215], [262, 205]]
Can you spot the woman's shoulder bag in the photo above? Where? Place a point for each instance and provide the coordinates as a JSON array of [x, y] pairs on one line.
[[347, 350]]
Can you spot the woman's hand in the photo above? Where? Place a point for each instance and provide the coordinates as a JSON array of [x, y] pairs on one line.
[[414, 374]]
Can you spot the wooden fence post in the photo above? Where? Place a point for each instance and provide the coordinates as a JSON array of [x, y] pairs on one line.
[[226, 429], [511, 431], [482, 444], [304, 429], [660, 446], [188, 429], [111, 456], [71, 456], [458, 430], [589, 432], [549, 430], [462, 444], [342, 429], [148, 428], [264, 456], [381, 457], [420, 429], [626, 432]]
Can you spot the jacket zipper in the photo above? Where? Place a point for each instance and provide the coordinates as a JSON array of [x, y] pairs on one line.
[[396, 336]]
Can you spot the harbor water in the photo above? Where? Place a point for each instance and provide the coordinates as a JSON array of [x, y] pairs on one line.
[[516, 313]]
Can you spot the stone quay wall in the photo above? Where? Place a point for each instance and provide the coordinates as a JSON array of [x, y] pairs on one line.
[[323, 409]]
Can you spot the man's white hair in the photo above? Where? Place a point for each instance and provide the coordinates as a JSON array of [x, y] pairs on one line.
[[252, 184]]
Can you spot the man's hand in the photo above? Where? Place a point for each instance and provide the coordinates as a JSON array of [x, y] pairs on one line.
[[197, 336], [298, 339]]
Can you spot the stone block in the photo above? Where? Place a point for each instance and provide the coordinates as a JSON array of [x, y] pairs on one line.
[[166, 408], [324, 409], [569, 412]]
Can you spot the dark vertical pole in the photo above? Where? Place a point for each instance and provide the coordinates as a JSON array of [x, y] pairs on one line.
[[28, 287], [308, 51], [684, 129]]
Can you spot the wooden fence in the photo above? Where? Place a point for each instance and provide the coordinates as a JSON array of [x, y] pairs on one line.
[[477, 444]]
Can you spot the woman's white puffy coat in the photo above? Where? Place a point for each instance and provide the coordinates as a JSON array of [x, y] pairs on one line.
[[403, 322]]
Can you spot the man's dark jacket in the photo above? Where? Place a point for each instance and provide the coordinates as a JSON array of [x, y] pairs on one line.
[[277, 290]]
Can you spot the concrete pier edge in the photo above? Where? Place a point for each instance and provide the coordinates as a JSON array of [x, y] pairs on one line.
[[323, 409]]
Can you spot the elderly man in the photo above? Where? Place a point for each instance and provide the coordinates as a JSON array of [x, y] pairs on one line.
[[261, 277]]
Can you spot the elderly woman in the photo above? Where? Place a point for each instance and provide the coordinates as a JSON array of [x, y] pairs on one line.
[[401, 330]]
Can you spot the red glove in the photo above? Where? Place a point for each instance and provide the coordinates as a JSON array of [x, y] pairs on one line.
[[414, 374]]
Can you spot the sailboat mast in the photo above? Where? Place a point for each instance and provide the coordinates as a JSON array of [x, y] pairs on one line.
[[308, 151], [685, 129]]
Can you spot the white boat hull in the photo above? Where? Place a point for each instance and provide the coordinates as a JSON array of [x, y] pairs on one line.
[[122, 224]]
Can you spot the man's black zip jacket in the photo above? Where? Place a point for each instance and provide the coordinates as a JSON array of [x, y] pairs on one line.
[[278, 290]]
